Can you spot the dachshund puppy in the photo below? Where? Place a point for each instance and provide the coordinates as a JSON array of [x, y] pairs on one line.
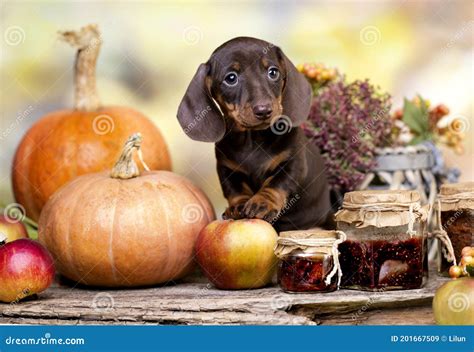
[[249, 99]]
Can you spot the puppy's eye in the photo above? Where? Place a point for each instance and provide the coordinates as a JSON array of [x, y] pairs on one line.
[[273, 73], [231, 79]]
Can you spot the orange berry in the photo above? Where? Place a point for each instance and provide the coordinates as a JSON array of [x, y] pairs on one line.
[[467, 259], [311, 73], [455, 271], [467, 251], [442, 109]]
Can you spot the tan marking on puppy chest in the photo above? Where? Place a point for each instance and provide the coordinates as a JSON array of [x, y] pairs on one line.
[[231, 165], [276, 161]]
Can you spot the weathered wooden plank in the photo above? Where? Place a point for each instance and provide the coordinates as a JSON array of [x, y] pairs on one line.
[[412, 315], [196, 302], [399, 316]]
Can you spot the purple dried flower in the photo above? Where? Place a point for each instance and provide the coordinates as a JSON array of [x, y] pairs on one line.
[[347, 122]]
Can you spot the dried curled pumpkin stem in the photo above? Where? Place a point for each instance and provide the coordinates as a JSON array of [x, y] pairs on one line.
[[87, 41], [126, 167]]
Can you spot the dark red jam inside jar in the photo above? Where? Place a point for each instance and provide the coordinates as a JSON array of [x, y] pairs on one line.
[[303, 272], [383, 264], [459, 225]]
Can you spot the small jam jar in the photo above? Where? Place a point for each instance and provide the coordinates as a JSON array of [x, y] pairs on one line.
[[455, 211], [308, 260], [385, 247]]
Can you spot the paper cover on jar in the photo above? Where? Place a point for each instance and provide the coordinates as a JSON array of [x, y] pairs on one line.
[[381, 208], [455, 196], [308, 241]]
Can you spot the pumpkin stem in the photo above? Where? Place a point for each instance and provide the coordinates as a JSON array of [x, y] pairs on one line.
[[126, 167], [87, 41]]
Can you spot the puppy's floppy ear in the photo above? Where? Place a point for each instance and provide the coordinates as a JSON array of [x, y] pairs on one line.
[[198, 114], [297, 93]]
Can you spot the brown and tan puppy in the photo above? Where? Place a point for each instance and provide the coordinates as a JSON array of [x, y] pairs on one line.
[[249, 99]]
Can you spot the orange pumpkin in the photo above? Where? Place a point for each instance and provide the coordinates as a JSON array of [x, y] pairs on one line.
[[68, 143], [122, 228]]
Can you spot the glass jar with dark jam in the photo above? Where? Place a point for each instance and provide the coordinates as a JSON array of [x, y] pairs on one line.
[[304, 272], [456, 207], [385, 247], [308, 261]]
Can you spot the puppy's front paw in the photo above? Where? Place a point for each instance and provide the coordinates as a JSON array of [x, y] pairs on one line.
[[234, 212], [260, 207], [236, 207]]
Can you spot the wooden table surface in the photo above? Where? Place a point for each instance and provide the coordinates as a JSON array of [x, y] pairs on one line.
[[196, 302]]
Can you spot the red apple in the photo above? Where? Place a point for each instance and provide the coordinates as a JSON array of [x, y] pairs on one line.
[[13, 229], [237, 254], [453, 303], [26, 268]]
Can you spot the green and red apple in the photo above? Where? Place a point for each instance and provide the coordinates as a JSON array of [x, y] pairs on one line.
[[237, 254], [26, 268], [453, 303], [12, 229]]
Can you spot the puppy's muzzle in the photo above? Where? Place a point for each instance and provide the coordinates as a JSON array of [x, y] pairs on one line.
[[262, 112]]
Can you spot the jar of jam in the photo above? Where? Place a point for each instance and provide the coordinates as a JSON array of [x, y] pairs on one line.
[[455, 214], [385, 247], [309, 260]]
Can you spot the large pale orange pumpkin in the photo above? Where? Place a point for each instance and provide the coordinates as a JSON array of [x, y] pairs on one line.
[[122, 228], [86, 139]]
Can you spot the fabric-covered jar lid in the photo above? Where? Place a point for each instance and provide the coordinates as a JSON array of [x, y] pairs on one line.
[[381, 208], [310, 242], [307, 241], [455, 196]]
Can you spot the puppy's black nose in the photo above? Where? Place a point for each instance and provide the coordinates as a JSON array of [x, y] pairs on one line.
[[262, 112]]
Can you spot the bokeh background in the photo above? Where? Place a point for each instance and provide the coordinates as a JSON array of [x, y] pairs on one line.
[[152, 49]]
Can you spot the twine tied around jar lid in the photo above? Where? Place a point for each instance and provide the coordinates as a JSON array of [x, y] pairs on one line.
[[441, 234], [452, 197], [313, 241], [382, 209]]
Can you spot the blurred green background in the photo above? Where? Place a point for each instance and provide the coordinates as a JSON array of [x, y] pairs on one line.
[[152, 49]]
